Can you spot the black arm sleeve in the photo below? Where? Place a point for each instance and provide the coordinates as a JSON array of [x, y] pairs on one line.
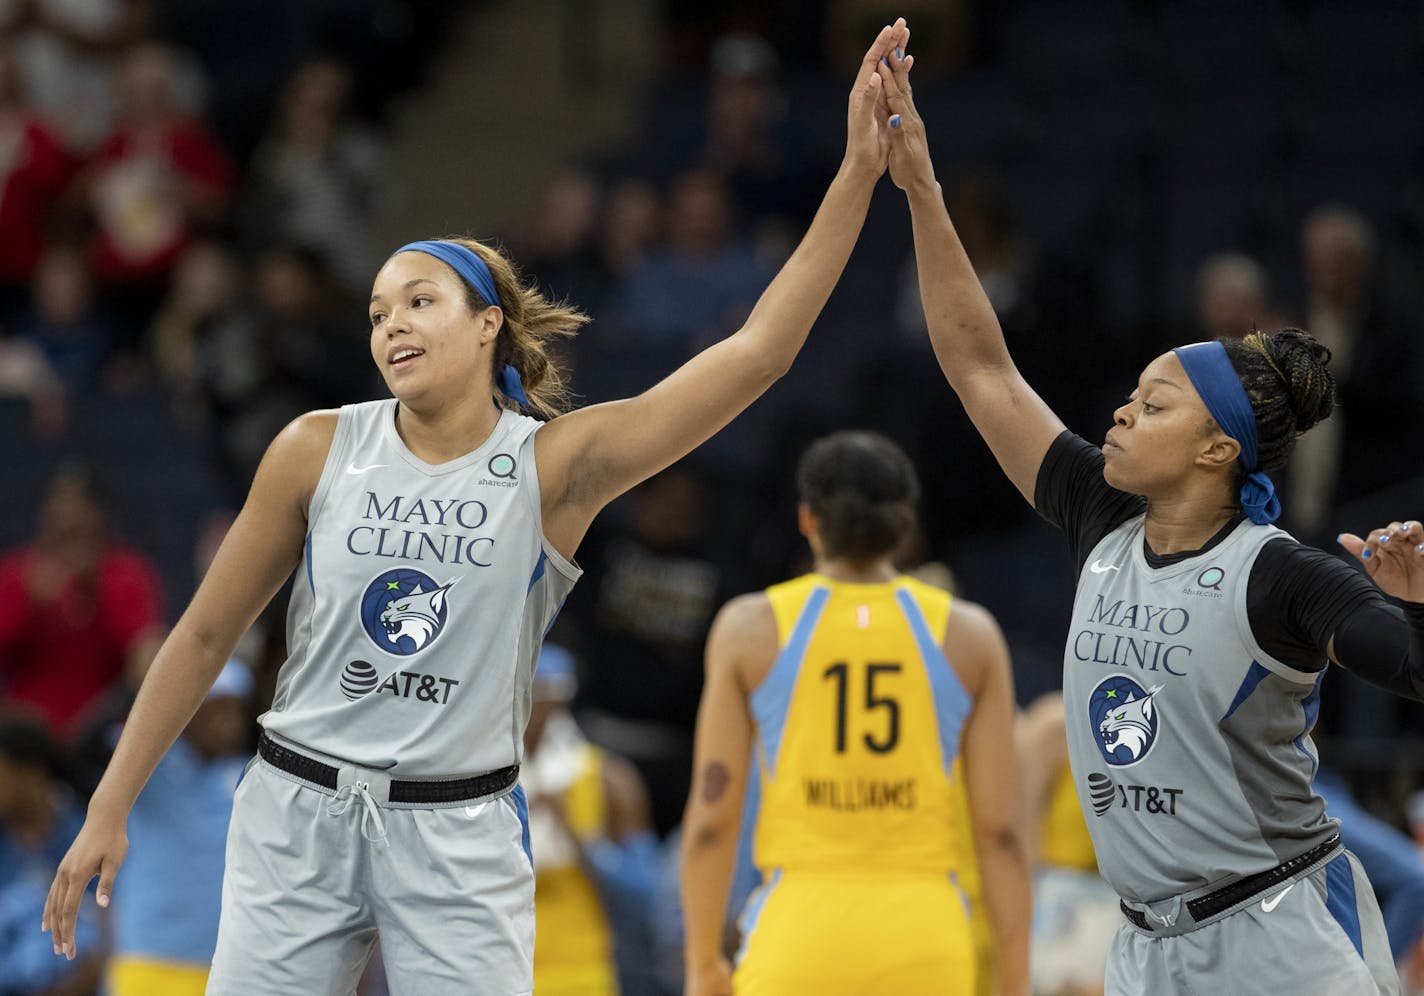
[[1385, 646], [1299, 598], [1070, 493]]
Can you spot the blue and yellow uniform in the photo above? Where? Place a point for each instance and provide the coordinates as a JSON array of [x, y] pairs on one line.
[[858, 725], [574, 952]]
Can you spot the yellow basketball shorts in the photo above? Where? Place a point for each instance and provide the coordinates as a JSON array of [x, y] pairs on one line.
[[142, 977], [865, 933]]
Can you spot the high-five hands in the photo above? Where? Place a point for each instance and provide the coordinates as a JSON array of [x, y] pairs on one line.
[[1393, 558], [868, 117], [910, 165]]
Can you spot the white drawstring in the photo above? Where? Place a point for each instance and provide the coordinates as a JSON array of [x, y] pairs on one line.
[[370, 812]]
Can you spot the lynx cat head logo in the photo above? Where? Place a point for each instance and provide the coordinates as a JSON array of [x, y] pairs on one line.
[[1124, 719], [404, 611]]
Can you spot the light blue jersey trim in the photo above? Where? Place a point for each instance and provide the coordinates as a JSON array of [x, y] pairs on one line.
[[952, 703], [772, 698], [521, 807], [311, 582], [752, 914], [1340, 899]]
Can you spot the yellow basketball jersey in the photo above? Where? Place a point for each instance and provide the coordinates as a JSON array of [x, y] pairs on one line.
[[1066, 843], [858, 727], [574, 953]]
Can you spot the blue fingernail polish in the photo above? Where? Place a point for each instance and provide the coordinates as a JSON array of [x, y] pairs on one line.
[[885, 59], [1384, 538], [1366, 555], [894, 121], [1420, 548], [900, 55]]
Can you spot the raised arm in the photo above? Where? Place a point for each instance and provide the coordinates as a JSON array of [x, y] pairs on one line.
[[260, 551], [967, 340], [588, 457], [742, 640], [976, 645]]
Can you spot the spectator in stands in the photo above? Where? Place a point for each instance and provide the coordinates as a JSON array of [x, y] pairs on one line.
[[39, 817], [278, 355], [63, 321], [561, 247], [596, 859], [752, 138], [69, 53], [204, 292], [643, 617], [34, 171], [1390, 859], [702, 281], [168, 893], [79, 612], [315, 179], [1376, 362], [1233, 297], [157, 181], [26, 374]]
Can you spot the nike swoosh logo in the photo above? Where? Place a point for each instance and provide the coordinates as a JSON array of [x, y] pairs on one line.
[[1269, 904], [353, 469], [1098, 567]]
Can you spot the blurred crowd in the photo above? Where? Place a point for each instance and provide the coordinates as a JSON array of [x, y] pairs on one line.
[[188, 196]]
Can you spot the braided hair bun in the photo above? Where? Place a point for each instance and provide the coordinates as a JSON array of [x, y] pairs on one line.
[[1286, 375]]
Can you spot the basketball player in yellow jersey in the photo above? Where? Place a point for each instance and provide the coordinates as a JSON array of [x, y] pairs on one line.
[[858, 688]]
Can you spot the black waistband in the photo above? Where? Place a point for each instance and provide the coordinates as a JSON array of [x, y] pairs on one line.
[[1205, 907], [433, 792]]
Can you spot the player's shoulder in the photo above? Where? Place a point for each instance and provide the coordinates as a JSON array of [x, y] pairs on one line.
[[747, 613], [743, 635], [974, 641], [309, 432]]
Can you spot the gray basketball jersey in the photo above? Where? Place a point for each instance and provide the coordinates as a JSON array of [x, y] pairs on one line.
[[1188, 742], [420, 604]]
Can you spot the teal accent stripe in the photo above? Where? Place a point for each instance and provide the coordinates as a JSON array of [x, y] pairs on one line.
[[772, 697], [1340, 899], [952, 703]]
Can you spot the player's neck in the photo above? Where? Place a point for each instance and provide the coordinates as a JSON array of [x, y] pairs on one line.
[[856, 572], [1174, 527], [442, 434]]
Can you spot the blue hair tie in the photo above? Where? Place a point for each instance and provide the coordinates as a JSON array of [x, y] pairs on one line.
[[464, 261], [512, 386], [1215, 379]]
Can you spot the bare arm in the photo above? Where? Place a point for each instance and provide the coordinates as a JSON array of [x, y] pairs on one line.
[[742, 641], [965, 332], [260, 551], [589, 457], [1041, 746], [977, 646]]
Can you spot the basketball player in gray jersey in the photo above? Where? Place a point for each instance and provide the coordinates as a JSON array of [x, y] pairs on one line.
[[1200, 634], [433, 537]]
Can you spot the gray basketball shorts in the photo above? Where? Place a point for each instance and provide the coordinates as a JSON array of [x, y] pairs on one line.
[[1320, 934], [314, 878]]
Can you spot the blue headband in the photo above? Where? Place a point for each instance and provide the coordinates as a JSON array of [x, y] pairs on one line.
[[465, 262], [1211, 373]]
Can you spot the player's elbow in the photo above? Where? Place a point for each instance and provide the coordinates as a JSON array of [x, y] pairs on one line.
[[1001, 839]]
